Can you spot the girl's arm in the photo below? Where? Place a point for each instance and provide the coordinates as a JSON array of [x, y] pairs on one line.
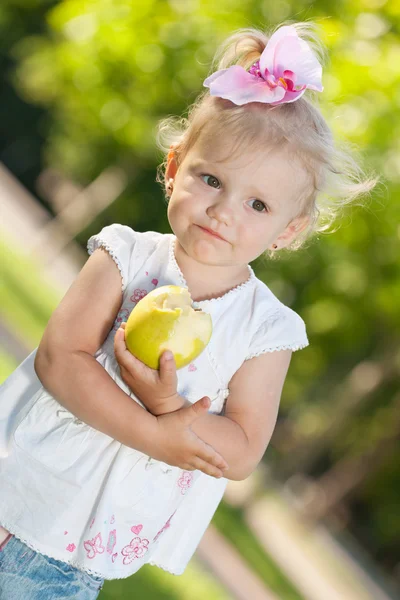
[[243, 433], [65, 362], [66, 366]]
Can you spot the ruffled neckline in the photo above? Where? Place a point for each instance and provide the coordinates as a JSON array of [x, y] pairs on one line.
[[234, 290]]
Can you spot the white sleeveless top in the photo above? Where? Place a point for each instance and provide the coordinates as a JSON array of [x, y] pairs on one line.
[[75, 494]]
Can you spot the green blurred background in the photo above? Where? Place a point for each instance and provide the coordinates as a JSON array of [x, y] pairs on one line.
[[84, 85]]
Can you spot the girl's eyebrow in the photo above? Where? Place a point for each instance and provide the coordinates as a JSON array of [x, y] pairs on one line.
[[198, 162]]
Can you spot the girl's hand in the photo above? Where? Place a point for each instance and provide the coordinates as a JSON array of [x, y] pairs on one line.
[[155, 388], [179, 446]]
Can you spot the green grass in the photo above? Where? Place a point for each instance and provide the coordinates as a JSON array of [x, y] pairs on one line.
[[152, 583], [7, 364], [230, 522], [27, 299]]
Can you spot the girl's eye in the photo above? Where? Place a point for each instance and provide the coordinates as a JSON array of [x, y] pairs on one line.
[[212, 178], [260, 205]]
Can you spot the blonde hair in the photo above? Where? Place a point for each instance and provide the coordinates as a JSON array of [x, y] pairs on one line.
[[336, 178]]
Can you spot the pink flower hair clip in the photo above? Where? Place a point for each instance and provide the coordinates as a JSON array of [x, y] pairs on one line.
[[286, 68]]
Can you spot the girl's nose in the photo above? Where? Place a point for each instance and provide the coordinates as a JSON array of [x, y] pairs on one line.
[[222, 210]]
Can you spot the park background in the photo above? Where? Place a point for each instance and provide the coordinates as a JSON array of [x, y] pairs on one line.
[[83, 86]]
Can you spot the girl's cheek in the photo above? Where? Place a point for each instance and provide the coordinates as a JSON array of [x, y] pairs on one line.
[[191, 180], [196, 185]]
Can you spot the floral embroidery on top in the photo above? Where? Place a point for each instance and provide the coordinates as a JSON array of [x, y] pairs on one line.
[[167, 524], [121, 318], [112, 540], [94, 546], [136, 549], [137, 295], [185, 481], [70, 547]]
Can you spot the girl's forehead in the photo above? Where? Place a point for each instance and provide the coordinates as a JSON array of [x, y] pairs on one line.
[[230, 157]]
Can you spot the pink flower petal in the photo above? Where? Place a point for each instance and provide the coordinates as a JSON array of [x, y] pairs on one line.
[[290, 79], [239, 86], [286, 67], [268, 54], [295, 55], [289, 97]]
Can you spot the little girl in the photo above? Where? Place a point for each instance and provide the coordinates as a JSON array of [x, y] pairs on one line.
[[107, 465]]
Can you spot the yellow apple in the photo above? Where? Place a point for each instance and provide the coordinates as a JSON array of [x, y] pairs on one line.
[[165, 320]]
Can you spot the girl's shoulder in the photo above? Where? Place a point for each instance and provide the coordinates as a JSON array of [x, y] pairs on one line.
[[274, 325], [118, 236], [249, 322], [129, 248]]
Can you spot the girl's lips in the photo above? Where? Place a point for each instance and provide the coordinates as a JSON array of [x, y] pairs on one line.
[[212, 233]]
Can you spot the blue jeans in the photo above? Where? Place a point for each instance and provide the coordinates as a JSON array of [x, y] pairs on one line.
[[28, 575]]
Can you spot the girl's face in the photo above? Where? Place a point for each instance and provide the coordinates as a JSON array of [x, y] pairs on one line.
[[248, 201]]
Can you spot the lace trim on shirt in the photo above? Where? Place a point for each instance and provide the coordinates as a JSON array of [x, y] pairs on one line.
[[293, 346], [20, 536], [154, 564], [172, 259], [102, 244]]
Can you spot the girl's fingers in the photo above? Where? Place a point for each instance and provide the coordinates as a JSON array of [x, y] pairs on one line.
[[119, 342], [135, 367], [167, 368], [208, 454], [122, 353], [206, 468], [119, 336]]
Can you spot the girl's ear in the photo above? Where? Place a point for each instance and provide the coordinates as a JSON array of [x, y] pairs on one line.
[[172, 165], [292, 230]]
